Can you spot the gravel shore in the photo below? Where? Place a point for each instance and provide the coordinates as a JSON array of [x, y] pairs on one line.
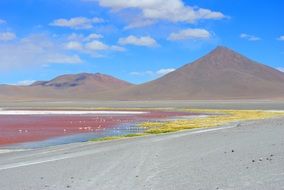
[[245, 156]]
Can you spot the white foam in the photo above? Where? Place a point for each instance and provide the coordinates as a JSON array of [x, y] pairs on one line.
[[31, 112]]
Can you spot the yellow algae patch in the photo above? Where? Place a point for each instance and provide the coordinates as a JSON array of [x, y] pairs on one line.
[[118, 137], [217, 118]]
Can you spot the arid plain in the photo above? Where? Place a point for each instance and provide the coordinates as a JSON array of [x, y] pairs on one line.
[[230, 156]]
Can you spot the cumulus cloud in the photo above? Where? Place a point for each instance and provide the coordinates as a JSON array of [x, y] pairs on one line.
[[92, 47], [150, 73], [93, 36], [77, 22], [81, 37], [249, 37], [96, 46], [2, 21], [169, 10], [281, 38], [138, 41], [34, 50], [190, 34], [7, 36]]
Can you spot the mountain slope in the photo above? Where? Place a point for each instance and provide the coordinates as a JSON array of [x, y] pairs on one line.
[[76, 86], [222, 74], [97, 82]]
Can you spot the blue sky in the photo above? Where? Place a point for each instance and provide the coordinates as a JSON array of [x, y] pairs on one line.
[[135, 40]]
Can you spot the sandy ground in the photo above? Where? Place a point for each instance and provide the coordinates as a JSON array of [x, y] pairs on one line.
[[246, 156]]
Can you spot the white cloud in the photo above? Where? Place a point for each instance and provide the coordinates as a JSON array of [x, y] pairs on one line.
[[91, 47], [190, 34], [169, 10], [77, 22], [74, 45], [138, 23], [7, 36], [61, 58], [143, 73], [32, 51], [88, 44], [2, 21], [93, 36], [165, 71], [25, 82], [249, 37], [81, 37], [138, 41], [38, 50], [117, 48], [96, 46], [149, 73], [281, 38], [76, 37], [280, 69]]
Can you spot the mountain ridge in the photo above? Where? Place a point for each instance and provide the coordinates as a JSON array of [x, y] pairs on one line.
[[221, 74]]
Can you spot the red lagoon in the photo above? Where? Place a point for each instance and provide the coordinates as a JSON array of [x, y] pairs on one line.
[[27, 128]]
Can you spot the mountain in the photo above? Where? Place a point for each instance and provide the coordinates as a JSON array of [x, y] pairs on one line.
[[73, 86], [96, 82], [221, 74]]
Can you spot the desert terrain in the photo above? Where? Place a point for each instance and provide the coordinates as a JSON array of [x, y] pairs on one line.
[[238, 155]]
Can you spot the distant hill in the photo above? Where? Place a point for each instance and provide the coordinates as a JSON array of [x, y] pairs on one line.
[[221, 74], [77, 86], [94, 82]]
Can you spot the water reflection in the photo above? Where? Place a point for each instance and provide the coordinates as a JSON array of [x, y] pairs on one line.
[[120, 130]]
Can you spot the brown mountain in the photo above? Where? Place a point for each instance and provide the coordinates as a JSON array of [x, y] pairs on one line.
[[73, 86], [222, 74], [93, 82]]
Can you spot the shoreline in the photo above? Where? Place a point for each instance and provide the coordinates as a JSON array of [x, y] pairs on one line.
[[55, 112], [52, 129]]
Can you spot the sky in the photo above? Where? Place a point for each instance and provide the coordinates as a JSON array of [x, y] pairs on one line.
[[134, 40]]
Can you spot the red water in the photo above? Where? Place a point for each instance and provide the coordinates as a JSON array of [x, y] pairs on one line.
[[20, 129]]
